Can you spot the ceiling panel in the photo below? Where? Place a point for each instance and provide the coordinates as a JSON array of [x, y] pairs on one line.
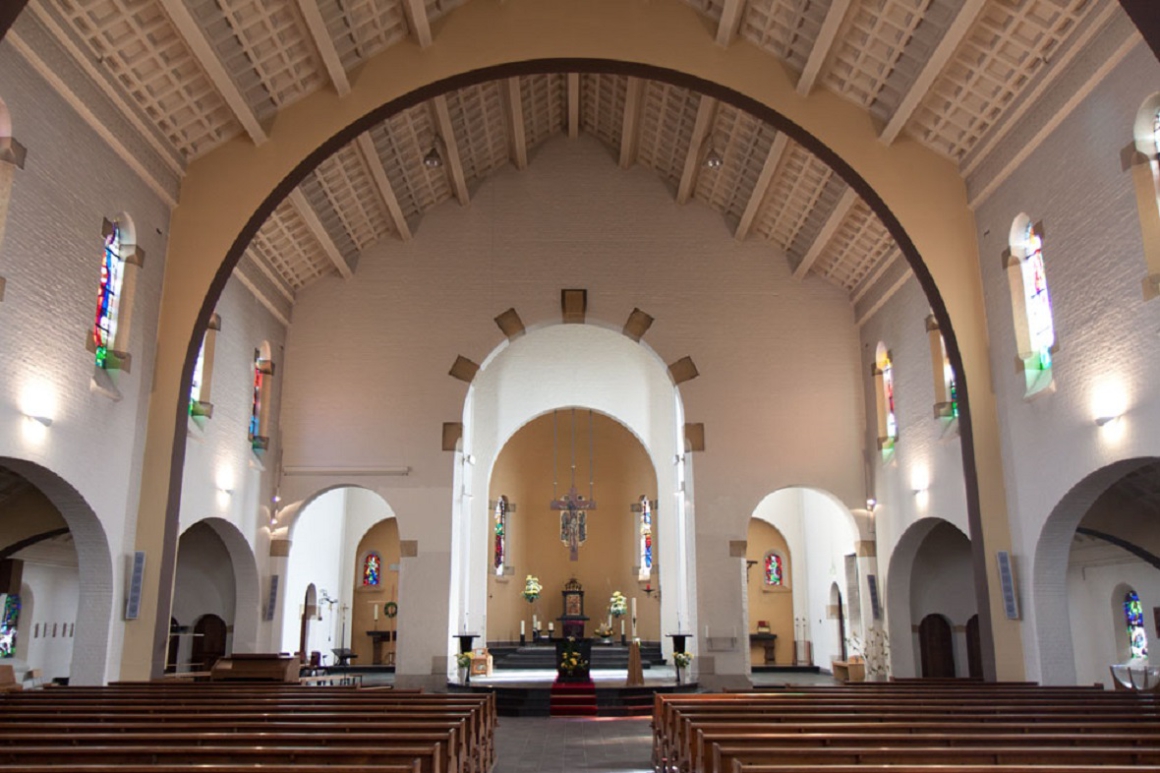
[[668, 114], [785, 28], [136, 41], [286, 245], [402, 141], [602, 107], [480, 126], [343, 194], [857, 247], [797, 186], [743, 143], [362, 28], [545, 104]]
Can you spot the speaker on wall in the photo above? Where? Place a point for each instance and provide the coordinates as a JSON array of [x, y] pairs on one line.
[[1007, 582], [271, 599], [136, 580]]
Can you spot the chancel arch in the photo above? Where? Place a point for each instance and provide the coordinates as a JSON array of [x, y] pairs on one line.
[[620, 468], [627, 385]]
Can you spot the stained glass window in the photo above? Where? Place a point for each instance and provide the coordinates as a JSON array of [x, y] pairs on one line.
[[773, 569], [108, 295], [887, 419], [372, 570], [949, 380], [9, 617], [501, 514], [198, 375], [1156, 131], [1134, 616], [1040, 326], [646, 540], [256, 402]]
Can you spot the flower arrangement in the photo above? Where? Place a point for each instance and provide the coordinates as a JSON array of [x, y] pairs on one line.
[[603, 631], [463, 659], [532, 588], [682, 659], [570, 660], [618, 605]]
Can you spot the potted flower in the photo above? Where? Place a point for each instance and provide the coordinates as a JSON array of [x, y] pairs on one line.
[[532, 588], [604, 633], [682, 660], [572, 666], [463, 660]]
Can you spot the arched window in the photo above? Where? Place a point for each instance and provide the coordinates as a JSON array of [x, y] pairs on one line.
[[120, 261], [1145, 169], [946, 390], [1134, 617], [260, 400], [372, 570], [883, 371], [11, 159], [200, 390], [501, 531], [9, 620], [644, 574], [1031, 304], [773, 574]]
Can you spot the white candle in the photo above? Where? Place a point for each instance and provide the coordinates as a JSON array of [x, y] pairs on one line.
[[622, 628], [522, 632], [634, 607], [535, 623], [551, 627], [376, 608]]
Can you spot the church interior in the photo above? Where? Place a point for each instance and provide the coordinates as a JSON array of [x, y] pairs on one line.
[[814, 331]]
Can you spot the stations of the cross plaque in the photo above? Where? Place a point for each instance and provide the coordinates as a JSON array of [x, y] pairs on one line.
[[573, 510]]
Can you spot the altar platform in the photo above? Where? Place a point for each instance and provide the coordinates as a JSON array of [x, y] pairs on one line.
[[527, 692], [541, 655]]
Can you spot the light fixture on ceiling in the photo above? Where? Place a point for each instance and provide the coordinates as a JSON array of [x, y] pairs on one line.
[[713, 159], [434, 157]]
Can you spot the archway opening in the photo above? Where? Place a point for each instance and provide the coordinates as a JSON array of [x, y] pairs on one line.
[[769, 567], [374, 614], [52, 548], [205, 599], [331, 532], [533, 470]]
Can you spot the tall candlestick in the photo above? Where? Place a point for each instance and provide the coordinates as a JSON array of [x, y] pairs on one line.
[[634, 607], [522, 632]]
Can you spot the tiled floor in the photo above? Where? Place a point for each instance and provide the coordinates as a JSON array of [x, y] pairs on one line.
[[526, 744]]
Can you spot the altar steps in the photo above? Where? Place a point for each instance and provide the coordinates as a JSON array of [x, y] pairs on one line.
[[543, 656], [610, 701], [573, 699]]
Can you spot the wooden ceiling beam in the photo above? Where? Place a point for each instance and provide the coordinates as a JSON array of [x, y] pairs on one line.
[[194, 37], [942, 54], [831, 25], [519, 141], [325, 45], [453, 162], [573, 105], [417, 21], [701, 127], [630, 127], [849, 198], [772, 161], [310, 217], [374, 163], [730, 21]]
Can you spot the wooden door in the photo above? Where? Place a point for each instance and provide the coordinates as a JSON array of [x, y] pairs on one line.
[[209, 642], [936, 647], [974, 649]]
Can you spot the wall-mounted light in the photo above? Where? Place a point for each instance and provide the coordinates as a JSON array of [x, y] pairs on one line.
[[1104, 420], [871, 503], [469, 458], [44, 421]]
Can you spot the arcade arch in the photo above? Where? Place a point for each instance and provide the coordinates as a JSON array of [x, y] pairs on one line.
[[820, 535], [328, 532], [58, 501], [930, 570]]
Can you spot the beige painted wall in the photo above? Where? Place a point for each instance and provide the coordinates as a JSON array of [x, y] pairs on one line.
[[383, 538], [523, 472], [774, 605]]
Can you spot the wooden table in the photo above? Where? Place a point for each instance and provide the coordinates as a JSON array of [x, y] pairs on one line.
[[845, 671], [769, 642]]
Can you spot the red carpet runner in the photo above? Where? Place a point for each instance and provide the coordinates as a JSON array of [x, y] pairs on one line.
[[573, 699]]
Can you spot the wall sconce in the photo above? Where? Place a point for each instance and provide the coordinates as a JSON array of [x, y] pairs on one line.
[[1104, 420], [871, 503], [44, 421]]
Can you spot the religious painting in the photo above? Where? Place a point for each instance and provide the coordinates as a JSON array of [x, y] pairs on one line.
[[572, 604]]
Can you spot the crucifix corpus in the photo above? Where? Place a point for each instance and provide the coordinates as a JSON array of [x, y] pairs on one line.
[[573, 521]]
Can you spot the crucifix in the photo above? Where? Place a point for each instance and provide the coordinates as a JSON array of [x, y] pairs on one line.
[[573, 520]]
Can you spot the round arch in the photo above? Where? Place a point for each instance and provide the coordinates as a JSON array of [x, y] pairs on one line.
[[666, 42], [247, 587], [94, 566], [1049, 583], [900, 622], [626, 382]]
